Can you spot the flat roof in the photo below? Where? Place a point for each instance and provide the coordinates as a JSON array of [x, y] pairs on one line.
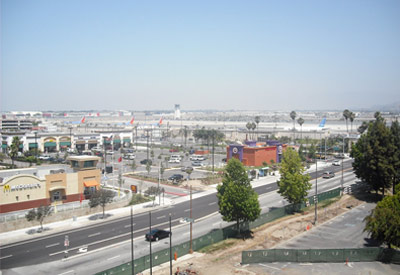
[[83, 158]]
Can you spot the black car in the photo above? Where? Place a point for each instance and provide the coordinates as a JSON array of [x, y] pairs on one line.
[[157, 234], [145, 161], [176, 177]]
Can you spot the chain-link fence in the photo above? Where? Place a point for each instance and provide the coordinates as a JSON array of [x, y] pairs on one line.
[[369, 254]]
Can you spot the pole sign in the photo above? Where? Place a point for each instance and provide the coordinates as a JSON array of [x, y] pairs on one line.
[[134, 188]]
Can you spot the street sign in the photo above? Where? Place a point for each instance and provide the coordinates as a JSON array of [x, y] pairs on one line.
[[134, 188]]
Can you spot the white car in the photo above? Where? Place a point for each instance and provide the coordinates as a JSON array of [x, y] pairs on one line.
[[336, 163], [174, 161]]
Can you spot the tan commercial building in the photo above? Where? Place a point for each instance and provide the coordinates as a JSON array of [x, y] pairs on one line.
[[29, 188]]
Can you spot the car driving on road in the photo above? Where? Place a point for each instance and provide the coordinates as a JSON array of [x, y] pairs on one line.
[[157, 234], [328, 175]]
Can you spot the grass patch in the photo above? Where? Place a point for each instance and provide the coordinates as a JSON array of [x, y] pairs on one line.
[[328, 202], [139, 198], [218, 246]]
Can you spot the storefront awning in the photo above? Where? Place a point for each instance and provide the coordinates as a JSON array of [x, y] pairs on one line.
[[90, 183], [56, 188]]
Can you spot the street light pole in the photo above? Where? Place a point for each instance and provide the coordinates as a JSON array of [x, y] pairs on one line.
[[191, 222], [316, 191], [36, 145], [342, 180], [132, 255]]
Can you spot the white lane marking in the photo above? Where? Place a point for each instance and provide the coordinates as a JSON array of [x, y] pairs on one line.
[[187, 210], [112, 258], [161, 217], [50, 245], [305, 264], [95, 234], [69, 271], [128, 225], [8, 256], [270, 266], [212, 203]]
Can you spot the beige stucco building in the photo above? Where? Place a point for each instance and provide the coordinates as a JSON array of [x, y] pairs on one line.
[[28, 188]]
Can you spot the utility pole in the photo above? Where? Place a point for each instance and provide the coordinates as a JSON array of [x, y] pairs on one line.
[[132, 255], [36, 145], [150, 239], [170, 246], [191, 223], [105, 153], [213, 149], [316, 192]]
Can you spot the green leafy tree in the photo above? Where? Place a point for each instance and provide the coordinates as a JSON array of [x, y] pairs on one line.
[[133, 165], [383, 224], [14, 149], [101, 197], [363, 127], [236, 199], [121, 181], [312, 151], [395, 157], [39, 214], [373, 156], [293, 184], [148, 167]]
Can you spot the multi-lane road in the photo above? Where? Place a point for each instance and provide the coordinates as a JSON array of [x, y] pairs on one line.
[[51, 248]]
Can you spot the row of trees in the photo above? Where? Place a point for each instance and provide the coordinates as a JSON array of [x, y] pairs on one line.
[[348, 115]]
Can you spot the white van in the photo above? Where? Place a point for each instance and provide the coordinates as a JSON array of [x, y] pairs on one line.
[[178, 157]]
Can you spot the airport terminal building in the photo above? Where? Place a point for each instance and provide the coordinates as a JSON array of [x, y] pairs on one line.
[[28, 188]]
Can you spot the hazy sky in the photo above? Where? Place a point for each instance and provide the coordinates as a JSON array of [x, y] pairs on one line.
[[252, 55]]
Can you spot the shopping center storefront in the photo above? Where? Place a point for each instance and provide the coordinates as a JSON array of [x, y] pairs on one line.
[[24, 191]]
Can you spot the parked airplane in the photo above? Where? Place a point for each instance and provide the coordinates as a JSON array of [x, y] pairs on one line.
[[129, 123], [81, 121]]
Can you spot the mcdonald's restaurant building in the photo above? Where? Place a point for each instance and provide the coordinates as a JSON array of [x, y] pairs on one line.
[[22, 189]]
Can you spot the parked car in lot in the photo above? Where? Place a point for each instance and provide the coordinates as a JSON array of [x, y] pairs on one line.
[[157, 234], [336, 163], [328, 175], [176, 177], [197, 163], [186, 168], [145, 161], [174, 161]]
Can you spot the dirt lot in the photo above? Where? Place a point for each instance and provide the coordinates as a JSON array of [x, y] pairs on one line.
[[224, 258]]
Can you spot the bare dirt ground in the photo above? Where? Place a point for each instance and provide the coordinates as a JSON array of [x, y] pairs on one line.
[[227, 260]]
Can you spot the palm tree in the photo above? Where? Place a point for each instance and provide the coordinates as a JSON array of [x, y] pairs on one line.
[[352, 117], [257, 120], [253, 127], [346, 114], [248, 126], [293, 117], [14, 149], [301, 121]]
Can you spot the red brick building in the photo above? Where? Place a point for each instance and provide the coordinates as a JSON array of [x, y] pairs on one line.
[[256, 155]]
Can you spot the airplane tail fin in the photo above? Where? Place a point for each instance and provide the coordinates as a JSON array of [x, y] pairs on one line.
[[322, 123]]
